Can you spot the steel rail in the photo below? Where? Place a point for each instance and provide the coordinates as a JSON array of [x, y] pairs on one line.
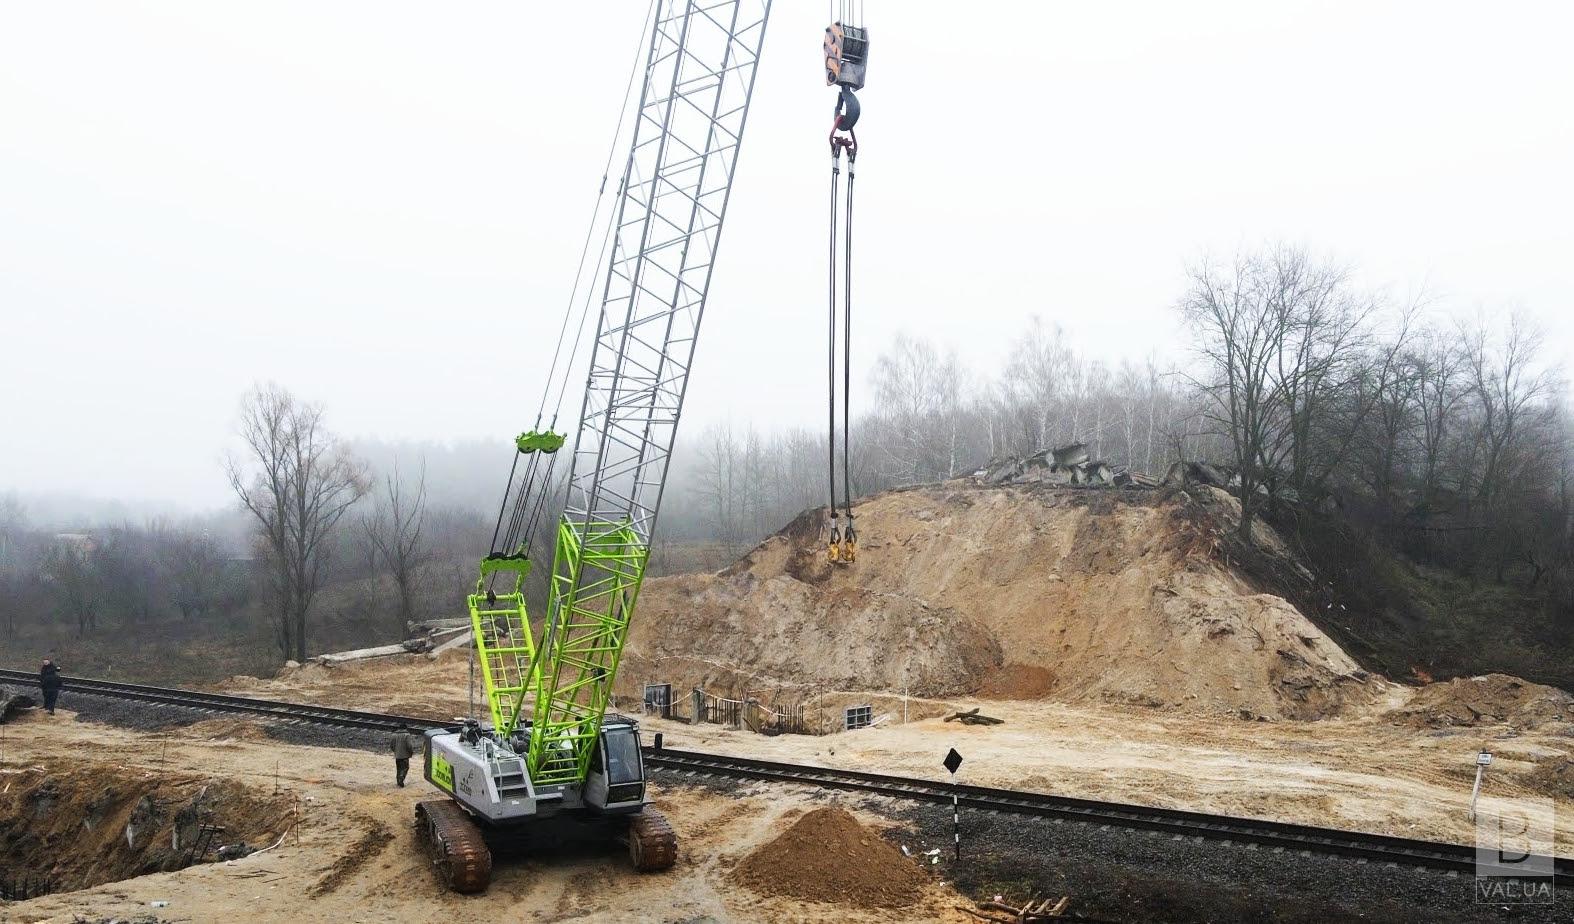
[[1276, 835], [223, 702], [1285, 836]]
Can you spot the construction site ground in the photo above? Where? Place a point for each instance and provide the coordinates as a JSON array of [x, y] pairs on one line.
[[1404, 767], [749, 851], [357, 859]]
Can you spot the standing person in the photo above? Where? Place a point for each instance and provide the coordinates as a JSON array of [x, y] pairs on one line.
[[404, 747], [49, 681]]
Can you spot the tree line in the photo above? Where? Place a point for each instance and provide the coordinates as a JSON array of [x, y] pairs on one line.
[[1449, 436]]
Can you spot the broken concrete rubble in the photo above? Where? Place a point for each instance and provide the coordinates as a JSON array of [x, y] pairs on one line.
[[1071, 465], [435, 640], [12, 702]]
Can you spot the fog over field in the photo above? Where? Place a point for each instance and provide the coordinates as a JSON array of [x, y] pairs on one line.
[[380, 206]]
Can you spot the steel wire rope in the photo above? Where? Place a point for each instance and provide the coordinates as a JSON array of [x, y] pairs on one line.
[[521, 499], [830, 368], [847, 347]]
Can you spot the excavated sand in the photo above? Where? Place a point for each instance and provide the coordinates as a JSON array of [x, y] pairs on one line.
[[1011, 592], [829, 856], [1489, 699]]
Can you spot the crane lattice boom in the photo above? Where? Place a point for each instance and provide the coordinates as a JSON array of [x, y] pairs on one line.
[[699, 78]]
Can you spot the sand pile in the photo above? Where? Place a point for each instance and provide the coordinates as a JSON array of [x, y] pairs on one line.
[[1020, 591], [1488, 700], [828, 856]]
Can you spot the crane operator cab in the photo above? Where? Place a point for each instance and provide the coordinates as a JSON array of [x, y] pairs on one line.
[[616, 782]]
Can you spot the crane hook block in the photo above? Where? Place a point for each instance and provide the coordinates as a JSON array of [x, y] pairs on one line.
[[847, 110], [846, 55], [545, 441]]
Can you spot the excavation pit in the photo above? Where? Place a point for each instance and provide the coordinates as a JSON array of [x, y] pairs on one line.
[[69, 827]]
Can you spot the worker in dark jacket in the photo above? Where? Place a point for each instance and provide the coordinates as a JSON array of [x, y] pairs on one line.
[[404, 745], [49, 681]]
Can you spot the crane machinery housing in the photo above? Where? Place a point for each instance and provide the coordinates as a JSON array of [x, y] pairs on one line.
[[546, 746]]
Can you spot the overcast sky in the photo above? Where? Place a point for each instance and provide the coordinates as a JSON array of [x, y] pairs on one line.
[[380, 204]]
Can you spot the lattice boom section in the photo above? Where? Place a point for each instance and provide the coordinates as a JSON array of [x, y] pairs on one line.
[[505, 651], [595, 579], [699, 77]]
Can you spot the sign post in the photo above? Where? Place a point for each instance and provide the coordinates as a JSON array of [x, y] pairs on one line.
[[952, 761], [1483, 760]]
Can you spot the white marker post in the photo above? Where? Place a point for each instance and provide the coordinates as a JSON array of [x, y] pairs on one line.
[[952, 761], [1483, 760]]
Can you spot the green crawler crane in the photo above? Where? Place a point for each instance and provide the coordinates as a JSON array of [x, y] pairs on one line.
[[547, 748]]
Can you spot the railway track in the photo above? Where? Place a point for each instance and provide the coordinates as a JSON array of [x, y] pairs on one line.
[[1274, 835], [1257, 833], [224, 702]]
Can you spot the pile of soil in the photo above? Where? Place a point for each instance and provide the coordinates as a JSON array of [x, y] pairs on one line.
[[1553, 777], [85, 824], [228, 730], [828, 856], [1492, 699], [1023, 591]]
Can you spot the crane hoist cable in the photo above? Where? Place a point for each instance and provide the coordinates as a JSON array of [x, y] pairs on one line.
[[846, 56], [516, 543]]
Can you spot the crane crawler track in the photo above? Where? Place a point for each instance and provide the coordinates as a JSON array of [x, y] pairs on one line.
[[653, 845], [455, 846], [1282, 836]]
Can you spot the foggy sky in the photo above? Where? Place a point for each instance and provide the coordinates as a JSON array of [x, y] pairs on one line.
[[380, 205]]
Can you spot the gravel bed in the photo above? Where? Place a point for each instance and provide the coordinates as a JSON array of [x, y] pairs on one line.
[[1117, 874], [146, 716]]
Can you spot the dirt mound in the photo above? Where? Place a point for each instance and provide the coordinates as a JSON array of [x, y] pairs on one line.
[[1492, 699], [1553, 777], [228, 730], [1020, 591], [828, 856], [85, 824]]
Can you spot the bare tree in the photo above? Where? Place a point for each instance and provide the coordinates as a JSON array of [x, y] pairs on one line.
[[920, 418], [1240, 333], [721, 484], [1038, 376], [1437, 362], [394, 536], [70, 567], [126, 565], [192, 563], [1508, 388], [15, 569], [298, 483]]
